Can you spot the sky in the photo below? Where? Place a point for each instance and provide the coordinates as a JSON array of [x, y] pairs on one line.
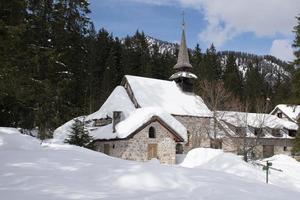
[[254, 26]]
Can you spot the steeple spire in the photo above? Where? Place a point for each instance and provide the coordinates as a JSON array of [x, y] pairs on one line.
[[183, 76], [183, 56]]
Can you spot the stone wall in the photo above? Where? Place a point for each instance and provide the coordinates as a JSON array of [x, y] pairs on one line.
[[281, 145], [136, 148], [198, 131]]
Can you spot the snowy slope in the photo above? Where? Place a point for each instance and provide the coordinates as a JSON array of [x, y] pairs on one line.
[[269, 66], [217, 160], [68, 172], [64, 172]]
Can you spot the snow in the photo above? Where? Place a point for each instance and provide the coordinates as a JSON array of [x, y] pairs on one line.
[[217, 160], [292, 111], [213, 159], [256, 120], [142, 115], [62, 132], [118, 100], [64, 172], [156, 98], [8, 140], [291, 170], [151, 92], [135, 120], [199, 156], [183, 74]]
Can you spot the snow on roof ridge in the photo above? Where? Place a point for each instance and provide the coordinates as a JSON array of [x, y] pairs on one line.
[[255, 119], [150, 92], [292, 111], [149, 78]]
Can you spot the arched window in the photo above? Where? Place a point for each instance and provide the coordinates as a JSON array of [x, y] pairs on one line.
[[151, 132], [179, 148]]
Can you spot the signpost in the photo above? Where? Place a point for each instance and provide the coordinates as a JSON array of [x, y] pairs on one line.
[[267, 168]]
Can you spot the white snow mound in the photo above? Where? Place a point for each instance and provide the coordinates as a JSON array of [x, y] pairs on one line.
[[12, 139], [200, 156], [217, 160], [64, 172]]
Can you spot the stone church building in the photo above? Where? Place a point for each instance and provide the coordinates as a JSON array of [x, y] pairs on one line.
[[147, 118]]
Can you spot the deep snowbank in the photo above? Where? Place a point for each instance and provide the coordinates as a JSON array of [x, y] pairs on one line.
[[12, 139], [217, 160], [59, 172]]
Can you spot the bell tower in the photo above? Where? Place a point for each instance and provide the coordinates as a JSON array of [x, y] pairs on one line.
[[183, 75]]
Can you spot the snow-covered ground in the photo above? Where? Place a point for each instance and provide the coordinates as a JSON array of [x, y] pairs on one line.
[[230, 163], [29, 171]]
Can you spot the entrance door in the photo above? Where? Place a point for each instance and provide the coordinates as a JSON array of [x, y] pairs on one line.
[[152, 151], [268, 151], [106, 149]]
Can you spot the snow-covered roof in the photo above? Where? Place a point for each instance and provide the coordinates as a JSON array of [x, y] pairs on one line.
[[167, 95], [256, 120], [291, 111], [118, 100], [183, 74], [135, 120]]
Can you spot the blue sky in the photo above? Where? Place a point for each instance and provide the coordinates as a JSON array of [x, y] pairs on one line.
[[253, 26]]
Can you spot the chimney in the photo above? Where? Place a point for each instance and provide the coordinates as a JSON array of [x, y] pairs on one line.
[[116, 119]]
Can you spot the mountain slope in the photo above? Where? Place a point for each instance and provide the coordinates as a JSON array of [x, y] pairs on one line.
[[271, 67]]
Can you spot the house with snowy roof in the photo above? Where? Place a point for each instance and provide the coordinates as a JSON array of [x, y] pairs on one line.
[[268, 133], [147, 118], [287, 112]]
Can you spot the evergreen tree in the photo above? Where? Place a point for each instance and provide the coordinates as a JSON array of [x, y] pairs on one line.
[[211, 65], [296, 82], [296, 74], [91, 65], [296, 87], [54, 66], [280, 93], [109, 81], [196, 61], [103, 45], [79, 135], [254, 87], [232, 78], [136, 55], [296, 43], [156, 65], [13, 50]]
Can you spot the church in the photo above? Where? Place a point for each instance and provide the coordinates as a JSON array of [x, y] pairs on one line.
[[145, 118]]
